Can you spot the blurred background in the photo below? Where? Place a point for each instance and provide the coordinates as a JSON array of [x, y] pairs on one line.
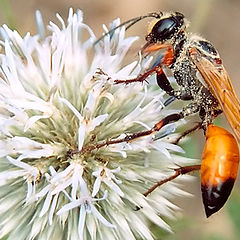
[[217, 21]]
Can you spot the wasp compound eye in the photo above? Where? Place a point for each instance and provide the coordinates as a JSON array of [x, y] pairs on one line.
[[165, 28]]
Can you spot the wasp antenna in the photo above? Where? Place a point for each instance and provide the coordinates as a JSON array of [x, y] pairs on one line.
[[131, 22], [153, 15]]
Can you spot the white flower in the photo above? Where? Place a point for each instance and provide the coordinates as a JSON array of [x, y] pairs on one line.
[[85, 202], [106, 175], [65, 170], [86, 125], [28, 172]]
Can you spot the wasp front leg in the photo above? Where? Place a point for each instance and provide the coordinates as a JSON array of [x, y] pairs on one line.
[[141, 78], [161, 77], [168, 57], [164, 83]]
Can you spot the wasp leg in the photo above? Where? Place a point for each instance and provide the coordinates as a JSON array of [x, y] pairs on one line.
[[168, 57], [141, 78], [130, 137], [178, 171], [188, 110], [162, 80], [164, 83], [157, 127], [188, 131]]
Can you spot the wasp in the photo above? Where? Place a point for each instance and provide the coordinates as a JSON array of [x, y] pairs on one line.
[[202, 81]]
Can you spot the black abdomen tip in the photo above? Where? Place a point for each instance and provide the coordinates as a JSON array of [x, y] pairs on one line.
[[214, 197]]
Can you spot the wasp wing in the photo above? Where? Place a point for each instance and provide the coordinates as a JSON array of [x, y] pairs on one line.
[[216, 77]]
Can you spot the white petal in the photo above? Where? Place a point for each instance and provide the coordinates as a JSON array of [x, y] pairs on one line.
[[125, 71], [101, 218], [96, 186], [74, 110], [114, 187], [40, 25], [22, 165], [46, 204], [43, 192], [63, 174], [29, 190], [162, 150], [52, 209], [36, 154], [123, 153], [90, 102], [97, 121], [32, 120], [104, 197], [12, 174], [81, 222], [83, 187], [69, 206], [116, 170], [171, 146], [62, 186], [77, 175], [81, 135], [15, 84], [52, 171], [97, 173]]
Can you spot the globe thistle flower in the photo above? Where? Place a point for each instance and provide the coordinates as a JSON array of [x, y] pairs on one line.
[[63, 172]]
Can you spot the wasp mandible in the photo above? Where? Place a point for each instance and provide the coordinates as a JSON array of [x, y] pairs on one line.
[[203, 81]]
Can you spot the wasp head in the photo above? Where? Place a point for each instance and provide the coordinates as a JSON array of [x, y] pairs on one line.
[[167, 28]]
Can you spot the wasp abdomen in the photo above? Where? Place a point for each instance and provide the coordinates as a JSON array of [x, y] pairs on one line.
[[219, 168], [214, 197]]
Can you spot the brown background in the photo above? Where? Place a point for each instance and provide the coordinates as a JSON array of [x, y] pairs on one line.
[[216, 20]]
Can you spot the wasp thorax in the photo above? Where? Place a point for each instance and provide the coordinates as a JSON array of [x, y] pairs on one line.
[[208, 47]]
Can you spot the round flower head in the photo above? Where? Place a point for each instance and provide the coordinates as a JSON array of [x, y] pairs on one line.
[[64, 171]]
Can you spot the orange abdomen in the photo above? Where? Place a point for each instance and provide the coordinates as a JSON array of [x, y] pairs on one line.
[[219, 168]]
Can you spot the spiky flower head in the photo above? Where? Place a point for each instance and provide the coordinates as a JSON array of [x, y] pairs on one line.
[[64, 174]]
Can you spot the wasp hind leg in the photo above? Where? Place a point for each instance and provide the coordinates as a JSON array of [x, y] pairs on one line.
[[178, 171]]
